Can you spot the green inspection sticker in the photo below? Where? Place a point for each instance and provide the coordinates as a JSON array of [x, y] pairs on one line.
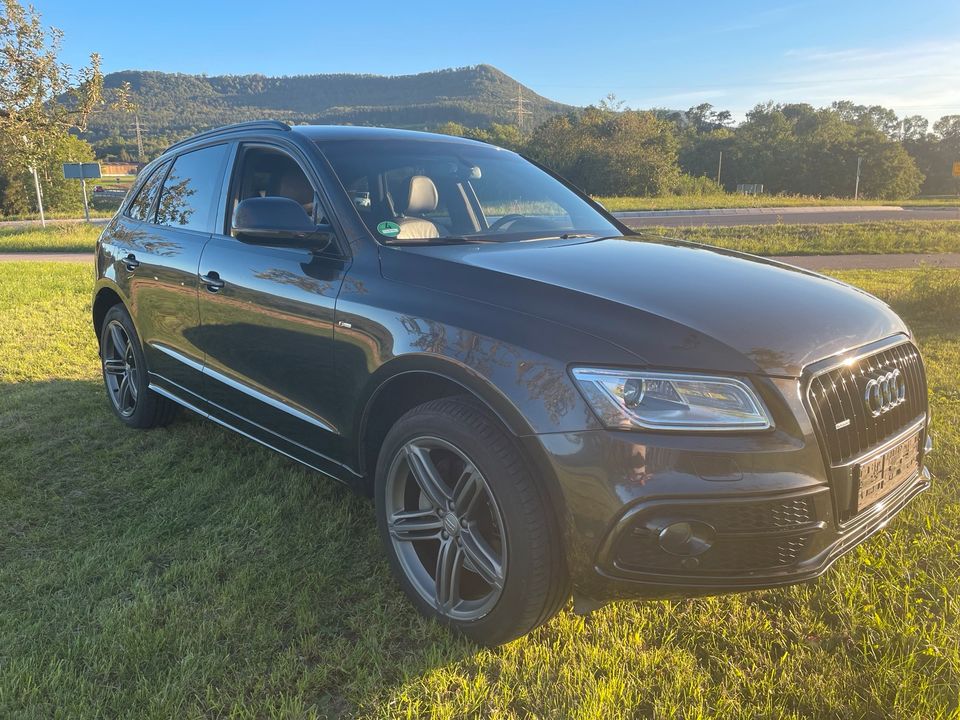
[[390, 229]]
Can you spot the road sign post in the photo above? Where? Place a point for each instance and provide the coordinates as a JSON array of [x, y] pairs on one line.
[[36, 186], [81, 172]]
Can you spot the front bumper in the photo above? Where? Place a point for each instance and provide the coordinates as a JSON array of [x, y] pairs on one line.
[[775, 512], [784, 555]]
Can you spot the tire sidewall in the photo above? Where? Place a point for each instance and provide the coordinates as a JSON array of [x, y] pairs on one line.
[[520, 562], [119, 314]]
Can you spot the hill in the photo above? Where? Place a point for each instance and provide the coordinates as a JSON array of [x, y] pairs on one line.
[[174, 105]]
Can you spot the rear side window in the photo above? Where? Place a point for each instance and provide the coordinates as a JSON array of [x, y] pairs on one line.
[[192, 190], [139, 208]]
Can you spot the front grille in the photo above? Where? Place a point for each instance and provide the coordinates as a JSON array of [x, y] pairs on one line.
[[837, 396]]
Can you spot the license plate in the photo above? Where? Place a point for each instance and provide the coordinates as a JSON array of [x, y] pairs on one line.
[[880, 476]]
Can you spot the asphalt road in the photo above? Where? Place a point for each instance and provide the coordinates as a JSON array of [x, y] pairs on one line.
[[789, 216]]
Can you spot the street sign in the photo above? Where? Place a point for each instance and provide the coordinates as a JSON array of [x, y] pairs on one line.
[[956, 168], [81, 171]]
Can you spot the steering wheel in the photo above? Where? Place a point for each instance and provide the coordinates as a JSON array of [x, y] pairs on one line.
[[504, 220]]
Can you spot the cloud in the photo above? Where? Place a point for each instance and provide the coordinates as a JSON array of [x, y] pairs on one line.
[[921, 79]]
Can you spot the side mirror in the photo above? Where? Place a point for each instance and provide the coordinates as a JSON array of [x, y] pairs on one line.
[[280, 221]]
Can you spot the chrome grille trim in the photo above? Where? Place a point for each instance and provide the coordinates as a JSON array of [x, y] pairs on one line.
[[834, 395]]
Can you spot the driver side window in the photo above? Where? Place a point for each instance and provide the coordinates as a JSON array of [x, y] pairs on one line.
[[266, 171]]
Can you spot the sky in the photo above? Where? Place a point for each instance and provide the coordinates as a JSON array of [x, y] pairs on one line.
[[904, 55]]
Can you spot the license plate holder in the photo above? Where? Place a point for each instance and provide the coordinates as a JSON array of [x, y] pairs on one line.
[[881, 475]]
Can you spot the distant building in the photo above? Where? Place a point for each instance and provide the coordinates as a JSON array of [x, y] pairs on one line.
[[119, 168]]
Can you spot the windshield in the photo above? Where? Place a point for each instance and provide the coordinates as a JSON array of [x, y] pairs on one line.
[[419, 191]]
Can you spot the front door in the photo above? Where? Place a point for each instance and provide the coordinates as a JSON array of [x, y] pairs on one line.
[[266, 321]]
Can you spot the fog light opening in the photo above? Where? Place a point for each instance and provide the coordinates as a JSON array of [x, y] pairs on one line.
[[687, 539]]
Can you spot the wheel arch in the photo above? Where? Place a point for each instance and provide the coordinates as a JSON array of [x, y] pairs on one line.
[[105, 297], [409, 381]]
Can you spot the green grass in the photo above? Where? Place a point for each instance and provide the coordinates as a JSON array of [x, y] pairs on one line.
[[59, 215], [732, 200], [835, 239], [918, 236], [63, 237], [187, 572]]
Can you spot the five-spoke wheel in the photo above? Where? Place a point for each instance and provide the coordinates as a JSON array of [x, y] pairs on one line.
[[125, 374], [470, 534], [446, 528], [120, 372]]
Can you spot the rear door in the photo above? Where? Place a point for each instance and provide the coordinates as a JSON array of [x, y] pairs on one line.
[[266, 323], [159, 259]]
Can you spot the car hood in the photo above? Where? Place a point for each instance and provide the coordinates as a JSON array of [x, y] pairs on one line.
[[673, 304]]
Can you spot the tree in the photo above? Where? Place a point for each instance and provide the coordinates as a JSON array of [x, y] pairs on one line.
[[607, 152], [935, 154], [501, 135], [796, 148], [16, 182], [41, 98]]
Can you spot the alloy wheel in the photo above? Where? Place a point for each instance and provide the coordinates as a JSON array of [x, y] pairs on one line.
[[120, 372], [446, 528]]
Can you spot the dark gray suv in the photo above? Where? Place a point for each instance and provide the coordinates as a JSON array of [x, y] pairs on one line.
[[540, 401]]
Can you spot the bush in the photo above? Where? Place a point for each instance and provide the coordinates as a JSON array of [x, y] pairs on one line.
[[690, 185]]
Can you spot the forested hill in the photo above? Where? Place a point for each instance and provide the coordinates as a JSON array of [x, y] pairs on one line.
[[174, 105]]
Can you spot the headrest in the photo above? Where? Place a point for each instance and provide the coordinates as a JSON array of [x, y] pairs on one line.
[[294, 185], [421, 195]]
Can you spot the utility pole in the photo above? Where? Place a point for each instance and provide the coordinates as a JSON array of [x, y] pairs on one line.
[[719, 168], [520, 111], [856, 187]]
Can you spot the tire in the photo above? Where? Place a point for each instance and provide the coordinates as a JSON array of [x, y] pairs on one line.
[[494, 535], [124, 370]]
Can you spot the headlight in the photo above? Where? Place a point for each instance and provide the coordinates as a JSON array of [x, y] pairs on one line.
[[671, 401]]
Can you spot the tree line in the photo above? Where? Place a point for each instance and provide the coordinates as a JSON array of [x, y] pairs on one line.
[[788, 148]]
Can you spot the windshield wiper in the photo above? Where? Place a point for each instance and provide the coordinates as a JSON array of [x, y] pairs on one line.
[[453, 240]]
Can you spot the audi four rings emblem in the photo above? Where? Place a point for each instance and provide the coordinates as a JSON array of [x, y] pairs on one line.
[[885, 392]]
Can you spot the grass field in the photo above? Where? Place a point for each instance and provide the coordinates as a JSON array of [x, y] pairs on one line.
[[64, 237], [732, 200], [186, 572], [918, 236], [880, 237]]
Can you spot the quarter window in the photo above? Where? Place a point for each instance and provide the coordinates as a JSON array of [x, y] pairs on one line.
[[192, 190], [139, 208]]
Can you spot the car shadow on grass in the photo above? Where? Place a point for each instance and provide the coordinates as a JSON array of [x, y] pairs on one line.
[[187, 568]]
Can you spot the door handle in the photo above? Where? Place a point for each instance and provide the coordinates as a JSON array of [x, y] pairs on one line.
[[212, 281], [130, 262]]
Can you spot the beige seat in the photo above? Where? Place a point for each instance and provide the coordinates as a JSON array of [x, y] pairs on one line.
[[420, 197]]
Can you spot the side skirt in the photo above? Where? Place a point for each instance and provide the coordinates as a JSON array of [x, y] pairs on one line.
[[171, 396]]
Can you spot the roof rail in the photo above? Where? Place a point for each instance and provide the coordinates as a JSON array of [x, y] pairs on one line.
[[249, 125]]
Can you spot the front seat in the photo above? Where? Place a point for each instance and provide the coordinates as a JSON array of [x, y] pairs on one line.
[[420, 197], [294, 185]]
